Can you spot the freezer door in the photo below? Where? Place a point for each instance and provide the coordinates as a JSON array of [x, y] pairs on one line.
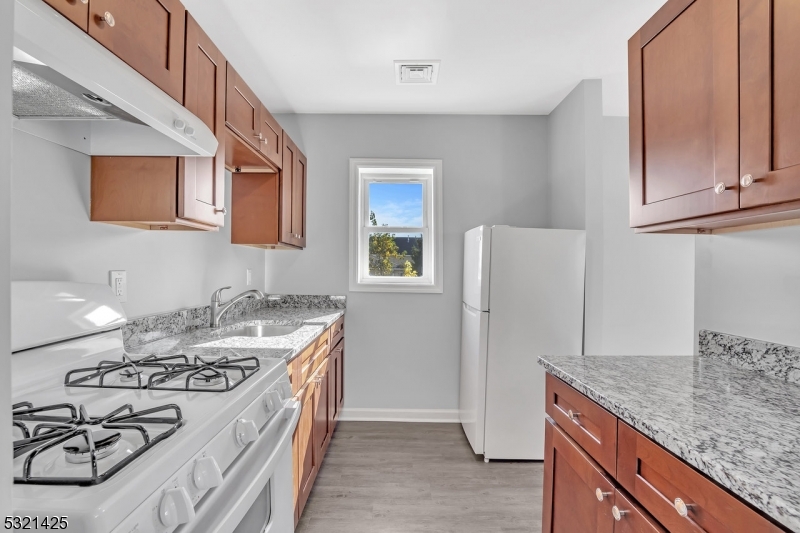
[[472, 394], [477, 244]]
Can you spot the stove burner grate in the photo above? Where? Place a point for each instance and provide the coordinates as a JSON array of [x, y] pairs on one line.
[[73, 428], [220, 375]]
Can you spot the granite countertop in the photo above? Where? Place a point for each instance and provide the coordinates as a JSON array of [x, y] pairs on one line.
[[206, 342], [740, 428]]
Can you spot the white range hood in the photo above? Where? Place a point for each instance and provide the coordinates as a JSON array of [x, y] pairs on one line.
[[70, 90]]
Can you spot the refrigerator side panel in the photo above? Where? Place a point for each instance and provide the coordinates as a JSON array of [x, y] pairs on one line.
[[536, 297], [472, 393], [476, 267]]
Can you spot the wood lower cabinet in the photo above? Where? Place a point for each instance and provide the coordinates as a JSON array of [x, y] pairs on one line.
[[172, 193], [147, 34], [715, 116], [317, 380], [652, 490], [571, 483], [77, 11], [305, 456]]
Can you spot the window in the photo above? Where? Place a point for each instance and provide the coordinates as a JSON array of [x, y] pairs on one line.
[[395, 225]]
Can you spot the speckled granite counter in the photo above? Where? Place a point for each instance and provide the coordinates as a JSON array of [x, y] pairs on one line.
[[740, 428], [206, 342]]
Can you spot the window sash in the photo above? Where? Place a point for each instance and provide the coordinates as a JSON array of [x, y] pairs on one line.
[[366, 180], [427, 254]]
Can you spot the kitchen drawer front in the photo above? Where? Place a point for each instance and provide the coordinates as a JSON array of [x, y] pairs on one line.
[[632, 518], [322, 351], [74, 10], [660, 482], [313, 357], [572, 482], [592, 427], [294, 369], [337, 331]]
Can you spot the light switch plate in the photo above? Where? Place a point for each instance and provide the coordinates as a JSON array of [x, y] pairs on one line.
[[249, 277], [118, 279]]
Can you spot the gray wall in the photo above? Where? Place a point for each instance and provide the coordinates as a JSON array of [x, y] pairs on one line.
[[403, 349], [53, 239], [748, 284], [6, 33], [639, 288]]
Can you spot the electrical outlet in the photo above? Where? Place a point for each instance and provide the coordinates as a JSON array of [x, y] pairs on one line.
[[249, 277], [118, 279]]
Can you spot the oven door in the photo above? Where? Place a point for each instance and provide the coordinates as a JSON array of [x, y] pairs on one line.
[[256, 495]]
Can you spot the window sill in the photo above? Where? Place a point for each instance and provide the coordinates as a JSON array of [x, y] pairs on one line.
[[396, 287]]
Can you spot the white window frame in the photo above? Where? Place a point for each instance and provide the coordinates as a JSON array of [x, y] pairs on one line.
[[366, 171]]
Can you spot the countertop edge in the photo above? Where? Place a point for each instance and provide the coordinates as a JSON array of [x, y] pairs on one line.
[[773, 507]]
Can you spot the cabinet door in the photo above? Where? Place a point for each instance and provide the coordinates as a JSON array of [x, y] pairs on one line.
[[299, 199], [334, 385], [201, 184], [306, 460], [242, 109], [147, 34], [632, 518], [340, 381], [683, 73], [288, 174], [770, 121], [572, 482], [77, 11], [322, 433], [271, 138]]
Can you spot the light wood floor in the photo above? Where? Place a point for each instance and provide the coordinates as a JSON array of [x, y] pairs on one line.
[[404, 478]]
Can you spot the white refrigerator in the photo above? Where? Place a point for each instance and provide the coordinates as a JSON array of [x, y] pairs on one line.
[[523, 297]]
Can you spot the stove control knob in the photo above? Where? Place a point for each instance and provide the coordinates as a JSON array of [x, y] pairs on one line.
[[273, 401], [175, 507], [246, 432], [206, 474]]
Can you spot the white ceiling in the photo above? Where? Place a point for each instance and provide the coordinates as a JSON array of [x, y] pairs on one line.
[[498, 57]]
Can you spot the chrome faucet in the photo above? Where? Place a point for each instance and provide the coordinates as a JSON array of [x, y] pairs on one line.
[[218, 308]]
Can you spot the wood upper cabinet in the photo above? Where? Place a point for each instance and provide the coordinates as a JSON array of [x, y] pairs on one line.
[[572, 482], [201, 185], [770, 108], [242, 109], [172, 193], [147, 34], [293, 194], [271, 140], [684, 112], [76, 11], [269, 210]]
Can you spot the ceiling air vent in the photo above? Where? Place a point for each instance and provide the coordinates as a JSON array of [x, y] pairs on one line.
[[416, 72]]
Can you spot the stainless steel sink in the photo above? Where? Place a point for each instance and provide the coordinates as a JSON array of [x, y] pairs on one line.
[[266, 330]]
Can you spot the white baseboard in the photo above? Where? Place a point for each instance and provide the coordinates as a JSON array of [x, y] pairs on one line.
[[399, 415]]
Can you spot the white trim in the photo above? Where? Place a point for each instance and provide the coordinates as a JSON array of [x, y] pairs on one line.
[[430, 171], [449, 416]]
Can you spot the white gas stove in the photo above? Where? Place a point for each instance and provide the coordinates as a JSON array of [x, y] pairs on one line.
[[119, 442]]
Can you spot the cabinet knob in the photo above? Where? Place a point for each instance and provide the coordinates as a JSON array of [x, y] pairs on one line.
[[682, 507], [572, 415], [108, 18], [84, 1], [224, 210], [747, 180], [617, 513], [719, 188], [260, 137], [600, 494]]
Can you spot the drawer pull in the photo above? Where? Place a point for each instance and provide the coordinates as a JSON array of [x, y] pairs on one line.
[[682, 507], [719, 188], [108, 18], [617, 513], [572, 416], [600, 494]]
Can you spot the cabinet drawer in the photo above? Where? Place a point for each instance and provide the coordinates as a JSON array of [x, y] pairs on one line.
[[294, 368], [660, 482], [592, 427], [632, 518], [319, 351], [337, 332], [74, 10]]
